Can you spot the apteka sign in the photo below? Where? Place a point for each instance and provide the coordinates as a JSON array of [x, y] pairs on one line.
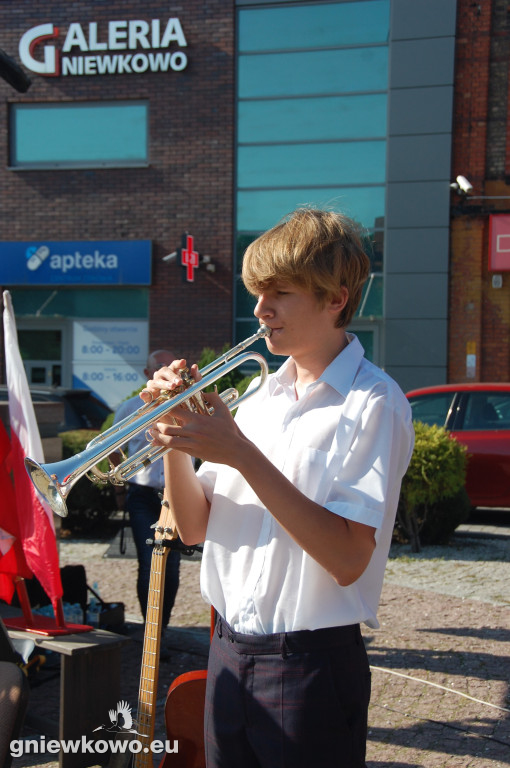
[[115, 47]]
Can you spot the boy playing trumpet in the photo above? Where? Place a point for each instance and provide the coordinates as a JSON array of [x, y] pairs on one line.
[[295, 502]]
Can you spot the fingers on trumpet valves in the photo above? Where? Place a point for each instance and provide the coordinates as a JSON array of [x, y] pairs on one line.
[[152, 434]]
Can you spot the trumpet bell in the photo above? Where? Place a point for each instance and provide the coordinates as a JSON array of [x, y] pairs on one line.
[[48, 486]]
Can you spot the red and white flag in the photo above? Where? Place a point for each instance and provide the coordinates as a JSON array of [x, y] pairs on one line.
[[13, 564], [35, 517]]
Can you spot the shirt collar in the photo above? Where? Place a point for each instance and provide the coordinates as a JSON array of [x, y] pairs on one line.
[[284, 377], [339, 374]]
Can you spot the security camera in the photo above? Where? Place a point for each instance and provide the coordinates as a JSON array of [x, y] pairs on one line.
[[170, 257], [463, 185], [208, 263]]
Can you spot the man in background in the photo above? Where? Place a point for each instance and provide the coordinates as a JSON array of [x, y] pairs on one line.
[[141, 499]]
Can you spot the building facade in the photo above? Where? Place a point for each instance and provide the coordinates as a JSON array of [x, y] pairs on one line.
[[156, 141], [479, 300], [123, 147]]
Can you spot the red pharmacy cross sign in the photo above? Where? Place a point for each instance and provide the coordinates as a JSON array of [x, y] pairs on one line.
[[189, 258]]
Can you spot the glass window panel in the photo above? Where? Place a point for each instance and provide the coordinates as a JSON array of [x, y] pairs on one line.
[[242, 242], [246, 327], [259, 210], [371, 304], [245, 302], [310, 26], [56, 375], [313, 72], [375, 249], [312, 164], [323, 118], [40, 345], [500, 401], [78, 134], [89, 302], [37, 375], [487, 411], [366, 339], [431, 409]]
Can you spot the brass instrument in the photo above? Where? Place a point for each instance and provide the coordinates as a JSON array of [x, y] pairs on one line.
[[54, 481]]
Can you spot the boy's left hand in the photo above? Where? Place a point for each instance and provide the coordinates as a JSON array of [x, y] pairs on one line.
[[213, 438]]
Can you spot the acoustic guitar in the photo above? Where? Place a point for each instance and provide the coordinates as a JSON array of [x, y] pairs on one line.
[[164, 535], [184, 709], [184, 716]]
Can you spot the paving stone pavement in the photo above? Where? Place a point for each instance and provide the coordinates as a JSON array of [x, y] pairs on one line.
[[440, 658]]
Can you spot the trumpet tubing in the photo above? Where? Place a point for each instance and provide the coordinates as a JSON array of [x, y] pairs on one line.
[[54, 481]]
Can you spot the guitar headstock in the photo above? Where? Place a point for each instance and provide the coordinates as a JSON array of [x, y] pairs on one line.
[[165, 530]]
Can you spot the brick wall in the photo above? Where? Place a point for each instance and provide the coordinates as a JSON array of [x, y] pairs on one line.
[[479, 318], [188, 185]]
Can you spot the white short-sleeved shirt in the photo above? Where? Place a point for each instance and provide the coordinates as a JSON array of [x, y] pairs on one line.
[[346, 444]]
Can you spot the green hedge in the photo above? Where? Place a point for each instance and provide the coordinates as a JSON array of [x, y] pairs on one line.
[[433, 499]]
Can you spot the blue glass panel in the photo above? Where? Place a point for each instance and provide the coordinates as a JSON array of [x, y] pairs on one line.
[[367, 341], [312, 164], [79, 133], [245, 302], [320, 118], [243, 240], [258, 210], [314, 25], [91, 302], [371, 304], [313, 72]]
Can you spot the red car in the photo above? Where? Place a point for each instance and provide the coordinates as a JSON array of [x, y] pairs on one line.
[[477, 415]]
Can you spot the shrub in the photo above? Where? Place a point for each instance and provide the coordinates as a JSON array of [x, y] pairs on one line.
[[74, 442], [442, 518], [433, 500]]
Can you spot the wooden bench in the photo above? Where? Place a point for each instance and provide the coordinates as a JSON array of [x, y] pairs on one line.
[[89, 688]]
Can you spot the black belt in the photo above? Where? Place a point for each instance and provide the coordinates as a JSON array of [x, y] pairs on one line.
[[290, 642]]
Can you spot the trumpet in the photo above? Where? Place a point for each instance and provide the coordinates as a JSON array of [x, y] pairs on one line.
[[55, 480]]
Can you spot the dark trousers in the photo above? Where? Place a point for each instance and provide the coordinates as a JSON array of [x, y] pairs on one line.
[[291, 700], [144, 507]]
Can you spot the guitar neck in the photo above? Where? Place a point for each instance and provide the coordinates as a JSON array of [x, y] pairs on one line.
[[147, 693]]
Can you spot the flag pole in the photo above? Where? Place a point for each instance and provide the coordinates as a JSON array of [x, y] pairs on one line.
[[24, 601], [35, 518]]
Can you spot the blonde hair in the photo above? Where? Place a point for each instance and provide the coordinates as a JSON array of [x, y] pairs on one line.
[[319, 251]]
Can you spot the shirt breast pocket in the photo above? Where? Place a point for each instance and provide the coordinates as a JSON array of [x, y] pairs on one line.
[[312, 473]]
